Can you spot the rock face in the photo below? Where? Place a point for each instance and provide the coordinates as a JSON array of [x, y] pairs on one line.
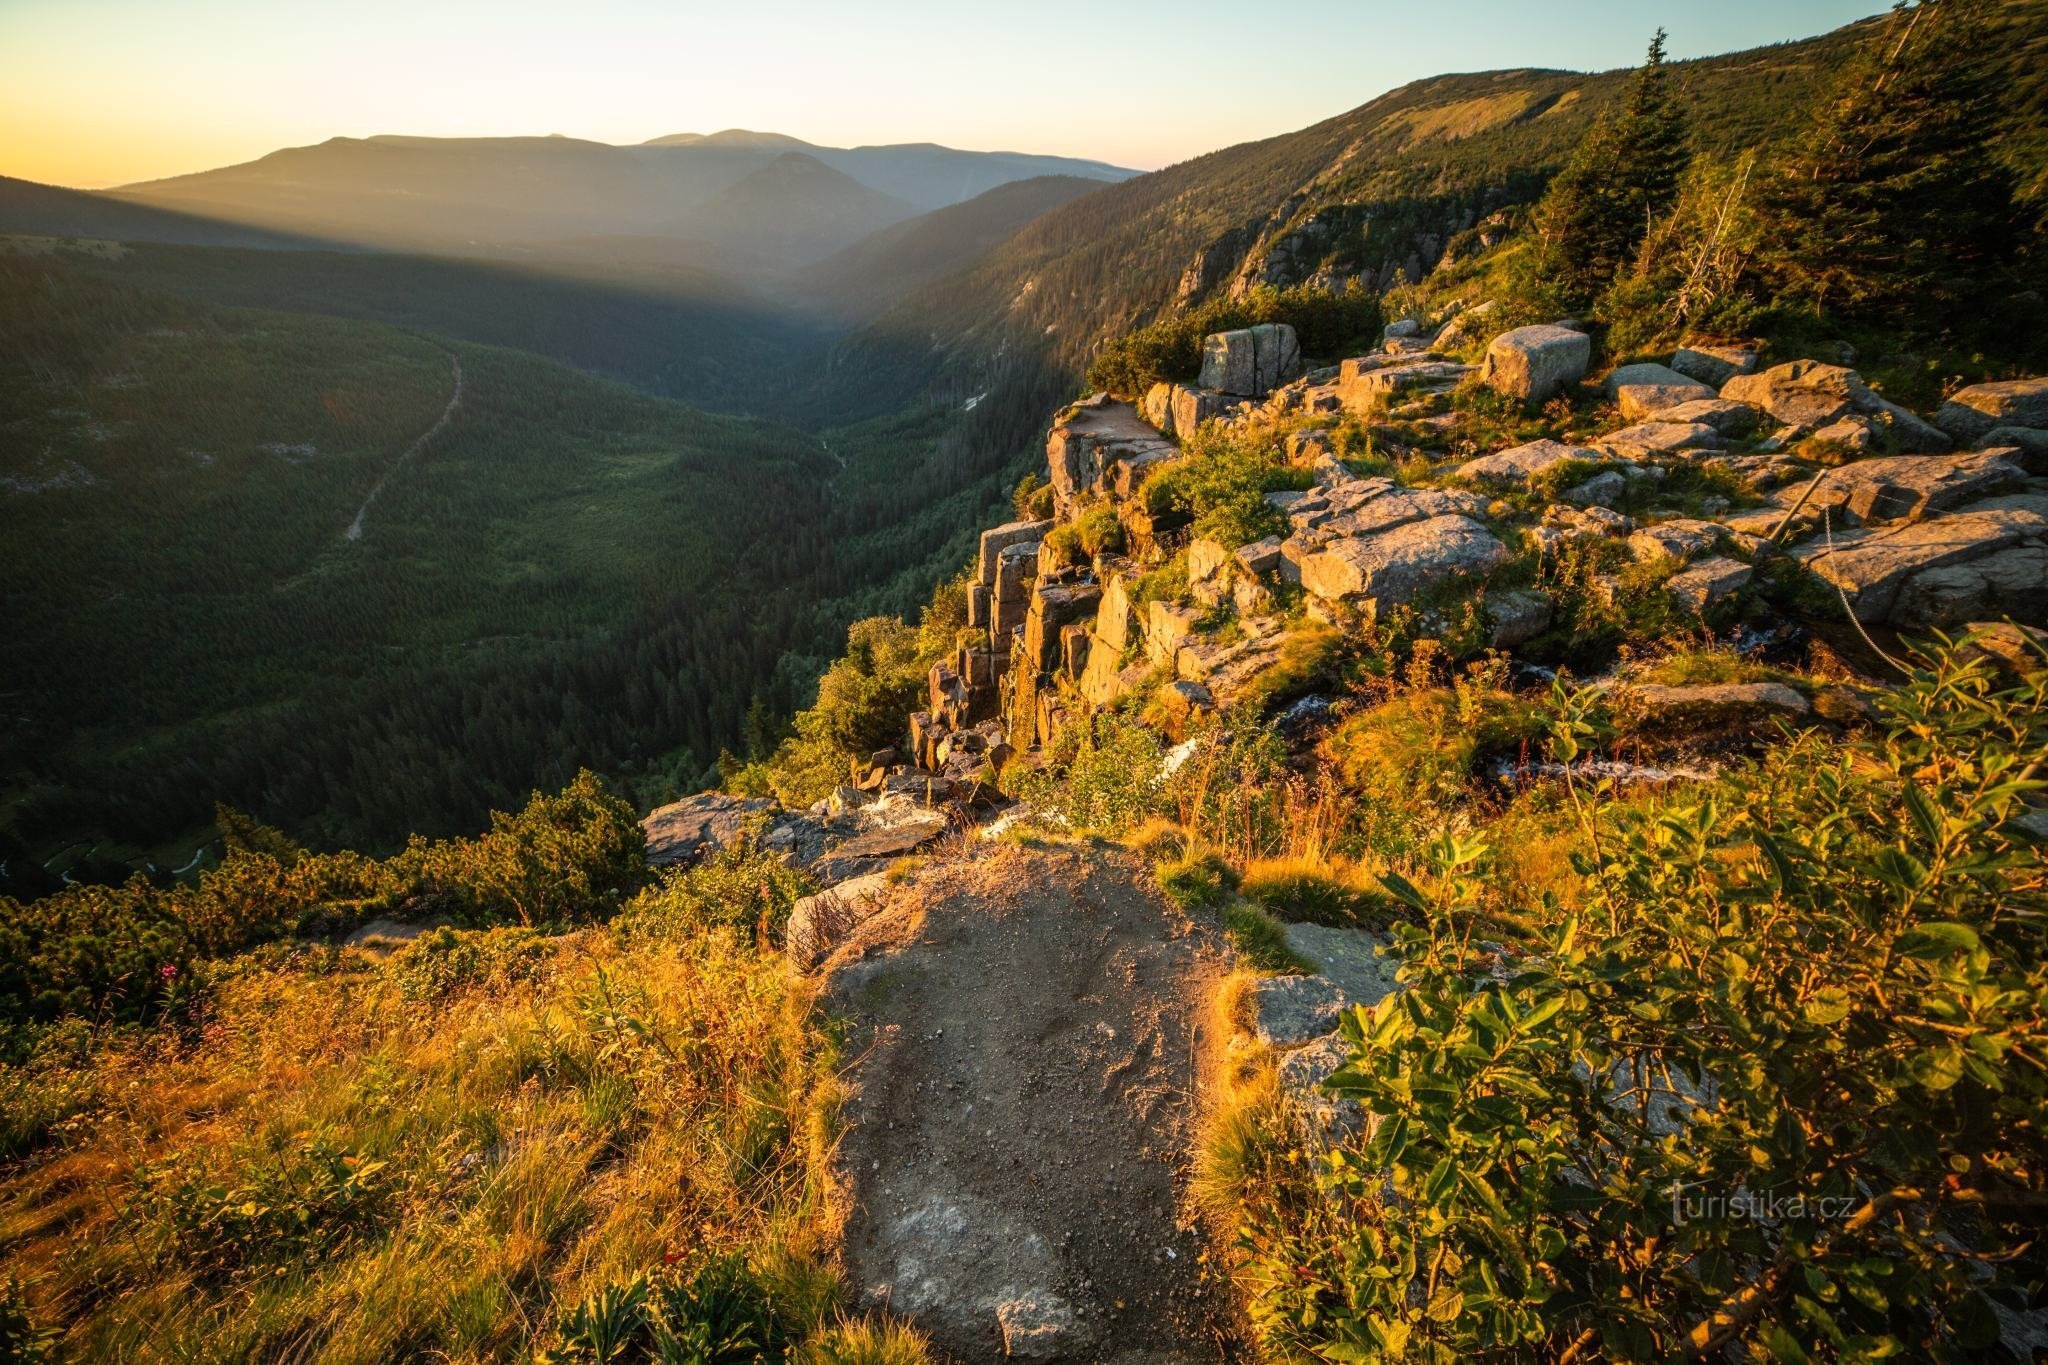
[[685, 830], [1708, 583], [1873, 566], [1972, 413], [1099, 443], [1252, 361], [1533, 363]]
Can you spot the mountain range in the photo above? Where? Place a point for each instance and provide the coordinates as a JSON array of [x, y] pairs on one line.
[[750, 203]]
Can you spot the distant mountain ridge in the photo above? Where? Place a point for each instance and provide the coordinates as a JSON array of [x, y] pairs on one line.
[[731, 200]]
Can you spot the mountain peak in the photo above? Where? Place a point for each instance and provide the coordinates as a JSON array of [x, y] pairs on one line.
[[729, 137]]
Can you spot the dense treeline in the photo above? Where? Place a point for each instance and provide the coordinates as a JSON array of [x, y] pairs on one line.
[[570, 575]]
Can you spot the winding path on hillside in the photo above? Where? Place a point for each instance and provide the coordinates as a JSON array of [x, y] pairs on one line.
[[355, 528], [1029, 1028]]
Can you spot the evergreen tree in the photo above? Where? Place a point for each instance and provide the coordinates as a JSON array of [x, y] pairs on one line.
[[242, 833], [1623, 173], [1893, 199]]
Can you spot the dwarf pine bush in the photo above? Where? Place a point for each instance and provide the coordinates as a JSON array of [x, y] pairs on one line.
[[1776, 1085]]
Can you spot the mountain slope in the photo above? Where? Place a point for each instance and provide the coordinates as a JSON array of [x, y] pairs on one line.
[[1375, 194], [551, 580], [790, 212], [868, 277], [32, 209]]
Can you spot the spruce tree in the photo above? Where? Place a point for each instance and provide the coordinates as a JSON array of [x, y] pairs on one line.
[[1892, 200], [1623, 173]]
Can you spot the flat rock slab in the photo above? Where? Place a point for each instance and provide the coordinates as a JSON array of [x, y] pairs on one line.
[[865, 853], [1516, 465], [1910, 487], [1871, 565], [1349, 958], [1715, 705], [1028, 1029], [684, 831]]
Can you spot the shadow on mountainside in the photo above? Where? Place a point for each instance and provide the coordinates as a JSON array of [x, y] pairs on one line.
[[1027, 1031]]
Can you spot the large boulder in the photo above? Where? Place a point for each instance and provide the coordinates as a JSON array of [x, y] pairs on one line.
[[686, 830], [1808, 395], [1533, 363], [1714, 365], [1972, 413], [1251, 361], [1391, 567]]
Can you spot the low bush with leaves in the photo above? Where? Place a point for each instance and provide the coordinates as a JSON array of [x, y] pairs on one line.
[[1775, 1087]]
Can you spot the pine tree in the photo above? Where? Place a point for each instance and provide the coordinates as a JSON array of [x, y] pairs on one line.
[[1620, 177], [242, 833], [1893, 200]]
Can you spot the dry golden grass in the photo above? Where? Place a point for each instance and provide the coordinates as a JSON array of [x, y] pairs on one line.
[[433, 1155]]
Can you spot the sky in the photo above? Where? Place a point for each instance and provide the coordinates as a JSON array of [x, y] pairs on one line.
[[107, 92]]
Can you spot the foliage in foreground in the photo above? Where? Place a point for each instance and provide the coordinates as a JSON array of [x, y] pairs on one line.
[[605, 1146], [1778, 1084]]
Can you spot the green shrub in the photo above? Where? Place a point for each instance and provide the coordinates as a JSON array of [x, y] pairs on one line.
[[723, 1313], [745, 886], [1099, 531], [1260, 940], [1775, 1089], [139, 952], [1223, 485], [1198, 879]]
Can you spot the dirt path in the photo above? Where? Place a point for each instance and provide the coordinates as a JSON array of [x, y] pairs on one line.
[[355, 528], [1028, 1028]]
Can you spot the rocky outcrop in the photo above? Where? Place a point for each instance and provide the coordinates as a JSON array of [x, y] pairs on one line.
[[1393, 566], [1808, 395], [1875, 566], [686, 830], [1252, 361], [1100, 444], [1973, 413], [1534, 363]]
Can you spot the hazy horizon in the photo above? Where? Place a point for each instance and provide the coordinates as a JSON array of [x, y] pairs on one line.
[[110, 92]]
